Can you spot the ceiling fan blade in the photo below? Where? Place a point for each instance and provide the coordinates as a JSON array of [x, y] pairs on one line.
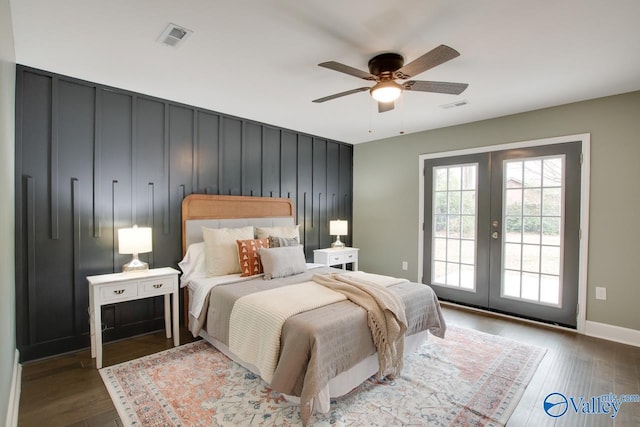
[[434, 57], [385, 106], [336, 66], [341, 94], [437, 87]]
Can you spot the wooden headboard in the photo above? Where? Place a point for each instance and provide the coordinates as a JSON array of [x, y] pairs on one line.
[[206, 206]]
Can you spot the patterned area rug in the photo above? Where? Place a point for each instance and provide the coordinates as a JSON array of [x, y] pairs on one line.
[[468, 379]]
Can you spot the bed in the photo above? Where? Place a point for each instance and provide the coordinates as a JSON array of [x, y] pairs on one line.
[[318, 352]]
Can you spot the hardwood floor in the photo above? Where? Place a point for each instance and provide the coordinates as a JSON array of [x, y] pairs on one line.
[[575, 365], [68, 391]]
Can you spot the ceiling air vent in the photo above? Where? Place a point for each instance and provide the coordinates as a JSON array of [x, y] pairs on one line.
[[455, 104], [174, 35]]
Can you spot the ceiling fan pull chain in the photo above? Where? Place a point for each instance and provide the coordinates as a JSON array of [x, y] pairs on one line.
[[402, 115], [370, 114]]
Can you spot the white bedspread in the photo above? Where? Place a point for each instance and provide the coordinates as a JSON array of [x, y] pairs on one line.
[[257, 319]]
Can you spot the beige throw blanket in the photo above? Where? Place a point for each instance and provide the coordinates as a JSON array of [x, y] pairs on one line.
[[378, 279], [256, 321], [385, 315]]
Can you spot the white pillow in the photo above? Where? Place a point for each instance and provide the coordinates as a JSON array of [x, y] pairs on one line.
[[288, 231], [193, 263], [283, 261], [221, 250]]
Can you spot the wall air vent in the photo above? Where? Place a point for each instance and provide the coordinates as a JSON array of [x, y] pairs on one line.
[[174, 35], [455, 104]]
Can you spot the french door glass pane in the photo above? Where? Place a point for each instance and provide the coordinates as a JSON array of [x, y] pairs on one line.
[[532, 229], [455, 212]]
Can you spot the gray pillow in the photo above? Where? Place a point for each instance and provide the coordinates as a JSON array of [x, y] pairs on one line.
[[283, 261], [278, 242]]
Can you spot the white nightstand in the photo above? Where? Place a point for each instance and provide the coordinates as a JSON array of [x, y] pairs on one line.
[[336, 256], [120, 287]]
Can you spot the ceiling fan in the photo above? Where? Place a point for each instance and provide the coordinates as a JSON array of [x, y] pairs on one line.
[[386, 68]]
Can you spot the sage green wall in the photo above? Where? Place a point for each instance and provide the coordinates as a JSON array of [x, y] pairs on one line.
[[385, 203], [7, 268]]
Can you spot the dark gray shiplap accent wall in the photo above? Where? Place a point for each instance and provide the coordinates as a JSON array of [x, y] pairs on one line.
[[91, 159]]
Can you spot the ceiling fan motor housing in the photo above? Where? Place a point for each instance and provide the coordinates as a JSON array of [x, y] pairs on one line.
[[385, 63]]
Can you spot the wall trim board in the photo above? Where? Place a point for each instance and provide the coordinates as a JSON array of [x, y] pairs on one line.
[[13, 405], [612, 333], [121, 158], [585, 139]]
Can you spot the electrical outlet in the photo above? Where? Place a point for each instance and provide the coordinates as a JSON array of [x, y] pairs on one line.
[[601, 293], [405, 265]]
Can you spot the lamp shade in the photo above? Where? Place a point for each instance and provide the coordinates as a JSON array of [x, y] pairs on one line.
[[338, 228], [136, 240]]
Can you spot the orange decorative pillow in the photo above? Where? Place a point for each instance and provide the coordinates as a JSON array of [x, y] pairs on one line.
[[249, 256]]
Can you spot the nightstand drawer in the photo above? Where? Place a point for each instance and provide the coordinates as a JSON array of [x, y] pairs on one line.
[[336, 259], [118, 292], [156, 286], [349, 257]]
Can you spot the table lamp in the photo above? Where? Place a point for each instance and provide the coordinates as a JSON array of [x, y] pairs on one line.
[[338, 228], [136, 240]]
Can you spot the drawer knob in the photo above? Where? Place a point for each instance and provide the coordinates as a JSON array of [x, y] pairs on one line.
[[157, 285], [118, 291]]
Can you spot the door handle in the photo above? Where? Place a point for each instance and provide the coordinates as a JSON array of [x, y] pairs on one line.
[[495, 235]]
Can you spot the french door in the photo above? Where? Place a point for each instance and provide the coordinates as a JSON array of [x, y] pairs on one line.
[[502, 230]]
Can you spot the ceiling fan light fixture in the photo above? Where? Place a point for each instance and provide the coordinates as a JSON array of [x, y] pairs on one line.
[[386, 91]]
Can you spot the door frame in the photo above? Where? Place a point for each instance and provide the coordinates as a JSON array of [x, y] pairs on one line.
[[585, 139]]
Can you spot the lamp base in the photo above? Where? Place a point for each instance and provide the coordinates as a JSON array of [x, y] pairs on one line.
[[338, 243], [135, 265]]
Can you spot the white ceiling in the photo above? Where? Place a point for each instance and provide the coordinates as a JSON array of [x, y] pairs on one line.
[[258, 59]]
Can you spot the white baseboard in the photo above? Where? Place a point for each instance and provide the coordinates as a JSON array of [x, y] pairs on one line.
[[14, 395], [612, 333]]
